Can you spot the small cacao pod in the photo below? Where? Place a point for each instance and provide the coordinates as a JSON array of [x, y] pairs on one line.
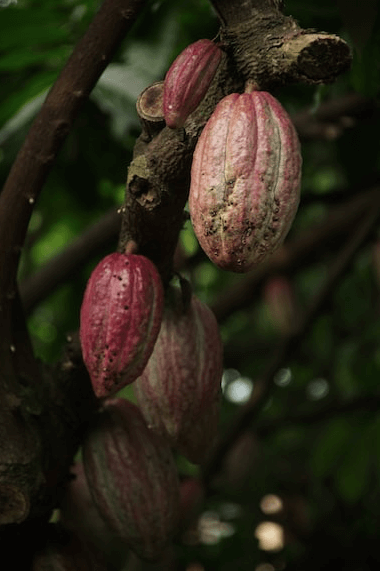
[[132, 478], [178, 391], [188, 80], [120, 320], [245, 180]]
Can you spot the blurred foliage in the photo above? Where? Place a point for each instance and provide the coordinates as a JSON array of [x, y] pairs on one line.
[[323, 467]]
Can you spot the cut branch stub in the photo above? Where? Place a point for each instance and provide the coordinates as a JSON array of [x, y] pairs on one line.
[[319, 57], [272, 49], [149, 107]]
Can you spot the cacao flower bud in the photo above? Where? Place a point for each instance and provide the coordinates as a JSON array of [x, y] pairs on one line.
[[120, 320], [64, 551], [188, 80], [132, 478], [178, 391], [79, 514], [245, 180]]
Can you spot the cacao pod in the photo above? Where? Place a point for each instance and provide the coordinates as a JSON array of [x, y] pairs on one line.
[[120, 320], [132, 478], [245, 180], [178, 391], [79, 514], [188, 80]]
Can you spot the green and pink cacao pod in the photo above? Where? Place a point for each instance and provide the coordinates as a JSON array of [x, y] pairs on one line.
[[188, 80], [120, 320], [132, 478], [179, 390], [245, 180]]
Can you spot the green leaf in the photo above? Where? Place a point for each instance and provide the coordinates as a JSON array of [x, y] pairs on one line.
[[23, 58], [31, 89], [33, 27]]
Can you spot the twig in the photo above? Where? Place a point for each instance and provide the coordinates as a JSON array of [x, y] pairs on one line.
[[263, 385], [364, 403]]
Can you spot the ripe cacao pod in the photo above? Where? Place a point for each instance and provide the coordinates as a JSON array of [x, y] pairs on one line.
[[188, 80], [178, 391], [120, 320], [245, 180], [132, 478]]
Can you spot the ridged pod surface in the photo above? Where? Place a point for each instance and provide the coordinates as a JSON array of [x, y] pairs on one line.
[[245, 180], [188, 80], [79, 514], [120, 320], [178, 391], [132, 478]]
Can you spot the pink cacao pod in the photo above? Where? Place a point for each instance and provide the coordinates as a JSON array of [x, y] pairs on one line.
[[120, 320], [132, 478], [188, 80], [245, 180], [178, 391]]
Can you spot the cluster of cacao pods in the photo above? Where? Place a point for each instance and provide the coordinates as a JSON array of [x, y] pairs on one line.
[[246, 169], [243, 197], [170, 348]]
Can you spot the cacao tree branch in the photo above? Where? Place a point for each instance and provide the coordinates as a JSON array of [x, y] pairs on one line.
[[332, 118], [363, 404], [280, 51], [56, 271], [263, 385], [39, 428]]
